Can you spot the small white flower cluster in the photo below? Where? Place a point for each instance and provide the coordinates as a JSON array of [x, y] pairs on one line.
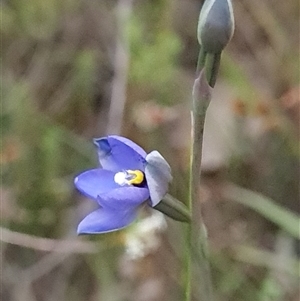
[[144, 238]]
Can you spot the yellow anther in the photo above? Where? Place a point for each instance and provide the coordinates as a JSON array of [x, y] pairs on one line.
[[138, 177]]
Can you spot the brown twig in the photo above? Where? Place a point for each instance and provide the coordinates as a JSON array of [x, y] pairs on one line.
[[46, 244]]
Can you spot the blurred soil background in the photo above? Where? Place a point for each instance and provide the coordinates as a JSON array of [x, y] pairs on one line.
[[74, 70]]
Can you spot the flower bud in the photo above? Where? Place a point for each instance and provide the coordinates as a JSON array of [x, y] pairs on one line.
[[216, 25]]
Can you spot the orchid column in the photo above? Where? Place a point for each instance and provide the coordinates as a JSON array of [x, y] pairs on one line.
[[215, 29]]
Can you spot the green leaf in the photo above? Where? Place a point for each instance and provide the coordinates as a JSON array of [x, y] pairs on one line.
[[284, 218]]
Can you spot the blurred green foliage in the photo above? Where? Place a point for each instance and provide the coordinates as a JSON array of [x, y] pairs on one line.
[[154, 56]]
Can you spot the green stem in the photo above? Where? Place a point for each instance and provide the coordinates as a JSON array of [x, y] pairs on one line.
[[201, 60], [212, 66], [196, 233], [188, 264]]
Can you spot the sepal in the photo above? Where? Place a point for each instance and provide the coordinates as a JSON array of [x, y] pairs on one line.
[[158, 175]]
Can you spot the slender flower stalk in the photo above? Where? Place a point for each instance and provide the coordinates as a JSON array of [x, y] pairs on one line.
[[196, 232], [215, 29]]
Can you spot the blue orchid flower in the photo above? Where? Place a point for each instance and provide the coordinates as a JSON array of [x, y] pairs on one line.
[[129, 178]]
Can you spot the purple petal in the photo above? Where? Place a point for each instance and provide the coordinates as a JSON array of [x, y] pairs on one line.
[[95, 181], [124, 198], [117, 153], [131, 144], [102, 221]]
